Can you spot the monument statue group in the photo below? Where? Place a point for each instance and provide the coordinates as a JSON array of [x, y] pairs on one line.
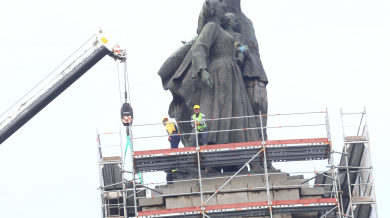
[[220, 70]]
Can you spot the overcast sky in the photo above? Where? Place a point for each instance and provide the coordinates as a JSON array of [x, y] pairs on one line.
[[317, 55]]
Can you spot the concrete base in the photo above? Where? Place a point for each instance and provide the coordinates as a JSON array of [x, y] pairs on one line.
[[151, 201], [239, 190], [286, 194], [178, 202], [232, 198]]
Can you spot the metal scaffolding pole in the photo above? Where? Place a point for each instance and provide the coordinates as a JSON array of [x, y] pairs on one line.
[[334, 175], [129, 130], [199, 169], [347, 166], [231, 130], [100, 173], [372, 173], [240, 117], [265, 166], [124, 191], [328, 212]]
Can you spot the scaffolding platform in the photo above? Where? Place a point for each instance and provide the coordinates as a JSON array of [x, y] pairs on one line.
[[232, 154], [345, 190], [248, 209]]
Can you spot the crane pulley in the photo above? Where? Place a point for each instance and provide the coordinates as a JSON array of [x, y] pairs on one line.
[[126, 110]]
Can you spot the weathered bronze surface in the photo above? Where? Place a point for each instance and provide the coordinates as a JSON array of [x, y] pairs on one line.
[[220, 70]]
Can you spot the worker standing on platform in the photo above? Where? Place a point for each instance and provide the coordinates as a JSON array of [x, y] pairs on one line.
[[175, 140], [172, 129], [200, 120]]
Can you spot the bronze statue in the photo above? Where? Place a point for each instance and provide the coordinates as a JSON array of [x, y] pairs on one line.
[[204, 71], [223, 93], [208, 71]]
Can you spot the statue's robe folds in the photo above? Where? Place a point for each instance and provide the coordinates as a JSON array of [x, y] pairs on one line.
[[213, 50], [227, 97], [253, 71], [176, 77]]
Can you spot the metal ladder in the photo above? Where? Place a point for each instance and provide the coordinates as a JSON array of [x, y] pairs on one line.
[[111, 177]]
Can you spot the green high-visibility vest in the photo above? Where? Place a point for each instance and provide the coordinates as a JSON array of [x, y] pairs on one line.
[[199, 119]]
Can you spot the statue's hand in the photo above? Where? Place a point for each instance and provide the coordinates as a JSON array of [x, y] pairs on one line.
[[193, 76], [244, 50], [206, 79]]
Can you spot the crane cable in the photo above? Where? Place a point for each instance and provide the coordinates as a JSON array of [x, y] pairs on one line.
[[127, 77], [119, 83], [127, 90], [126, 81]]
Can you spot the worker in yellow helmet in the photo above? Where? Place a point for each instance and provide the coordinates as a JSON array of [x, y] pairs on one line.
[[175, 140], [172, 130], [200, 120]]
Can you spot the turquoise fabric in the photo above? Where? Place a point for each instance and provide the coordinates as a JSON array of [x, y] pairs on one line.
[[127, 146]]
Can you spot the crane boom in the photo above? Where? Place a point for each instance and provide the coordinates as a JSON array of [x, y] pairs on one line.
[[100, 48]]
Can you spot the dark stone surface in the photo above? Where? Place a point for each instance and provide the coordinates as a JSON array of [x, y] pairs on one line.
[[205, 71], [112, 174], [253, 71]]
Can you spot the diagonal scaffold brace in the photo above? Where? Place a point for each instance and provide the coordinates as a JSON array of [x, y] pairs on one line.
[[257, 154], [249, 161]]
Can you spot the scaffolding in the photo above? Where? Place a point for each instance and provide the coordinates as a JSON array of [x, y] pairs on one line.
[[111, 179], [358, 180]]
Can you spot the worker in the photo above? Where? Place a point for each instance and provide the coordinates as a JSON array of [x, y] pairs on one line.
[[175, 140], [172, 129], [200, 120], [169, 177]]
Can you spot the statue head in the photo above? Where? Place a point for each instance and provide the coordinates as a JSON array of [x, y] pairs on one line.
[[231, 20], [211, 9]]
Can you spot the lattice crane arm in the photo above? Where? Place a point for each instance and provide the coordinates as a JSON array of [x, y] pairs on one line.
[[100, 48]]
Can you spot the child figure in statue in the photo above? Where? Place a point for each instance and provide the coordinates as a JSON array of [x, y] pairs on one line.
[[230, 25], [255, 88]]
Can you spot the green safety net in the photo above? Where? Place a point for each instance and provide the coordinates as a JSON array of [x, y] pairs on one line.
[[127, 146]]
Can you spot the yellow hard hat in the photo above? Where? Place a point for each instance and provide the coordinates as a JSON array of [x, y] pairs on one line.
[[164, 119], [196, 106]]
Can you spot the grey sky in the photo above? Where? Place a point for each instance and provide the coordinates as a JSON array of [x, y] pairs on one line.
[[317, 54]]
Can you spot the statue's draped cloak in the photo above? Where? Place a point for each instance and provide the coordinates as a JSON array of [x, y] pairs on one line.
[[227, 97], [176, 76]]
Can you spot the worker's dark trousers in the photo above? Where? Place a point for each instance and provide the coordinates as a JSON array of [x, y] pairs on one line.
[[175, 140], [169, 177], [202, 137]]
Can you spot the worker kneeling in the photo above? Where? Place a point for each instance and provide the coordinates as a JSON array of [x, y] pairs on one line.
[[200, 120], [172, 129]]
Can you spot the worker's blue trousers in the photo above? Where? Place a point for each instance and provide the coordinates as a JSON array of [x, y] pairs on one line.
[[202, 138], [175, 140]]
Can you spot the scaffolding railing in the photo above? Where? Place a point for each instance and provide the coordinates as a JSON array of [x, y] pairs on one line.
[[361, 192], [334, 173], [105, 165], [261, 151]]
